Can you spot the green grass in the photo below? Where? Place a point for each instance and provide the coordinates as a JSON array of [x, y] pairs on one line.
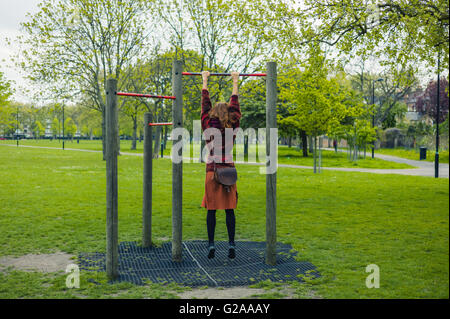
[[414, 154], [286, 155], [340, 221], [94, 145], [335, 159]]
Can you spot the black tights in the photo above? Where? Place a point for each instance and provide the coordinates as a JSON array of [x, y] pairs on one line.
[[211, 225]]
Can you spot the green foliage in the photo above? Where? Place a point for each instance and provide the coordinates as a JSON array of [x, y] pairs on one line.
[[40, 129], [7, 119], [55, 127], [69, 127], [317, 100], [397, 32], [253, 104], [5, 90]]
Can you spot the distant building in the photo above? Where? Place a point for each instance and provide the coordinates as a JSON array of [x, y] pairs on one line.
[[410, 100], [27, 132], [48, 129]]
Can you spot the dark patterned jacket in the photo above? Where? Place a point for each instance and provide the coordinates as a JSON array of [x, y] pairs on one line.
[[207, 122]]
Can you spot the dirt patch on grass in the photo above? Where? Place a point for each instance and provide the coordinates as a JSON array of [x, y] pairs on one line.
[[243, 292], [220, 293], [55, 262]]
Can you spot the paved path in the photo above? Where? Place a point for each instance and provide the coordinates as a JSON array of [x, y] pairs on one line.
[[424, 168]]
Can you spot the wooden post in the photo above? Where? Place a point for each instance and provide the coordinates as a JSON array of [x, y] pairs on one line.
[[148, 175], [177, 168], [271, 179], [112, 133]]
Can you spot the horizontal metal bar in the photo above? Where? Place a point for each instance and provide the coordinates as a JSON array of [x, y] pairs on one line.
[[225, 74], [146, 95], [159, 124]]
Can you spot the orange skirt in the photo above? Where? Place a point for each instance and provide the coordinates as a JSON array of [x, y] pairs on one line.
[[216, 196]]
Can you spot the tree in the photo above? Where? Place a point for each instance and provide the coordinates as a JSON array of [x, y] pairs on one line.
[[7, 119], [55, 127], [397, 32], [389, 87], [218, 29], [317, 100], [39, 129], [5, 90], [427, 102], [288, 124], [74, 46], [69, 127]]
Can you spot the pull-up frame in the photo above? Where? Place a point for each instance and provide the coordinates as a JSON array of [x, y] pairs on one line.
[[112, 151], [225, 74], [177, 176]]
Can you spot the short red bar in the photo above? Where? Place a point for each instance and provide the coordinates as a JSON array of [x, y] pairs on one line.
[[159, 124], [146, 95], [225, 74]]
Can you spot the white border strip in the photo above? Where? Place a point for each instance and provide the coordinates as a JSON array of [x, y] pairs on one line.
[[217, 285]]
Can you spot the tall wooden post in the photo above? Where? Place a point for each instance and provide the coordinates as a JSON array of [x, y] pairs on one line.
[[177, 168], [271, 179], [148, 176], [112, 148]]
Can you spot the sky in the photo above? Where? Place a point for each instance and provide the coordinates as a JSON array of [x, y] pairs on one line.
[[12, 13]]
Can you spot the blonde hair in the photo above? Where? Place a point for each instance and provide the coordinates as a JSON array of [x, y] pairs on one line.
[[220, 111]]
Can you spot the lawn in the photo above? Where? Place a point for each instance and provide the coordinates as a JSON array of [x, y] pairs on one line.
[[414, 154], [286, 155], [339, 221]]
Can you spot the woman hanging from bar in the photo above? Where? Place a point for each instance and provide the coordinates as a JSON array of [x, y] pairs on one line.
[[217, 195]]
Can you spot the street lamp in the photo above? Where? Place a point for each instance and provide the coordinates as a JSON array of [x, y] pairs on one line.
[[17, 125], [63, 124], [373, 115], [436, 157]]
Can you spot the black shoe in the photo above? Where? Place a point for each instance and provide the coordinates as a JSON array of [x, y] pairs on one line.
[[212, 252], [231, 252]]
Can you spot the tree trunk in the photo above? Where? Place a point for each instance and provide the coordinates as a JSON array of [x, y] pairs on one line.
[[320, 152], [103, 136], [202, 146], [311, 146], [314, 153], [157, 142], [246, 147], [289, 141], [133, 142], [304, 143], [166, 131]]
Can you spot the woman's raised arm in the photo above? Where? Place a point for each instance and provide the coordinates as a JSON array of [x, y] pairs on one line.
[[205, 75], [235, 78]]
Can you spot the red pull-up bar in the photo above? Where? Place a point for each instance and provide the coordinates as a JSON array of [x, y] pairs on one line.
[[225, 74], [146, 95], [159, 124]]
